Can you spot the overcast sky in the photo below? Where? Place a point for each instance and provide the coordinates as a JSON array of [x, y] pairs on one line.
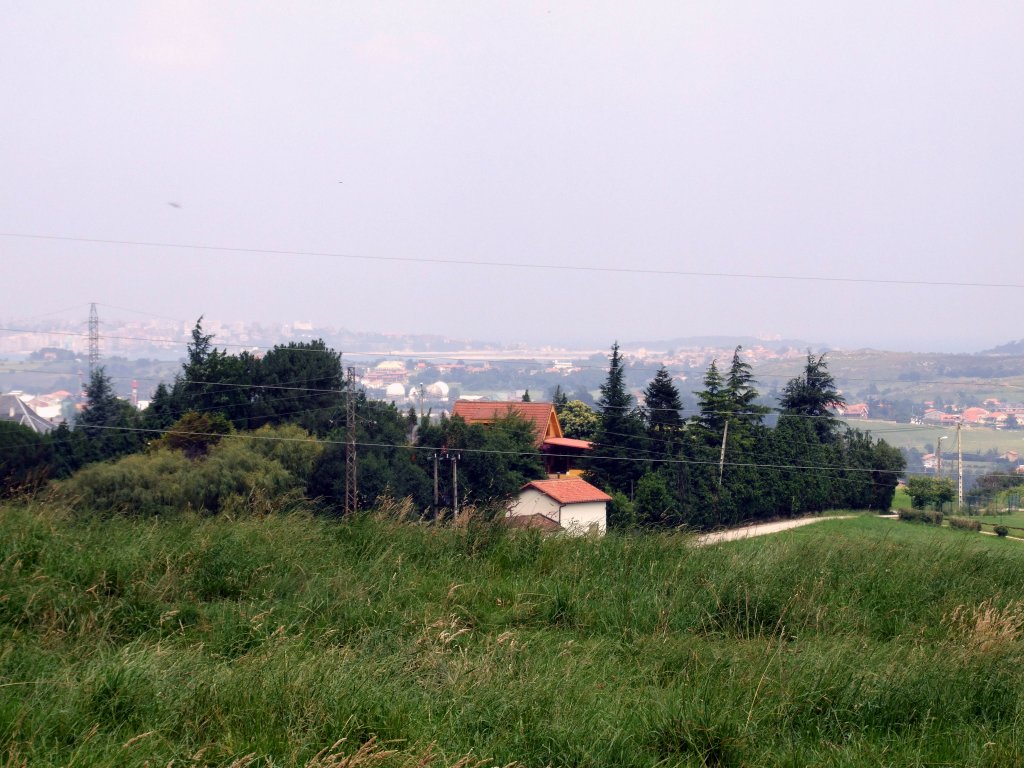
[[878, 140]]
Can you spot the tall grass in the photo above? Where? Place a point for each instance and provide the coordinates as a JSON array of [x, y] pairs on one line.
[[288, 640]]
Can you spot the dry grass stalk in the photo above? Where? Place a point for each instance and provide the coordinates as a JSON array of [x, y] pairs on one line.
[[136, 739], [984, 627]]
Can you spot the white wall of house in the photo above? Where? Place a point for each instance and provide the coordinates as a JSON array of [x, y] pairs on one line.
[[575, 518]]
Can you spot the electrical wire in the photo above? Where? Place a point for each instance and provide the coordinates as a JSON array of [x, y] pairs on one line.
[[507, 264]]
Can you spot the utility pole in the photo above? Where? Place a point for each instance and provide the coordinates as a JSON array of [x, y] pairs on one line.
[[351, 480], [454, 458], [959, 469], [94, 338], [721, 457], [421, 401], [938, 455], [436, 458]]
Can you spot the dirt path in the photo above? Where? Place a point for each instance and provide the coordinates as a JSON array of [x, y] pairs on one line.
[[762, 529]]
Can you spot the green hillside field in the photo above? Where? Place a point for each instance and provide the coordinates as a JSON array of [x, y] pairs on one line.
[[294, 641], [974, 439]]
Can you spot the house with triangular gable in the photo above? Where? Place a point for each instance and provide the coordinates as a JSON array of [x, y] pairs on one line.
[[561, 454], [569, 504]]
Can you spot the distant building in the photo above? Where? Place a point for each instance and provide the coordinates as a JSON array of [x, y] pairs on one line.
[[13, 409], [388, 372], [855, 411]]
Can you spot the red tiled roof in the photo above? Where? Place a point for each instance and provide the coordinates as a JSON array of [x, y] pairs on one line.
[[571, 490], [540, 415], [568, 442]]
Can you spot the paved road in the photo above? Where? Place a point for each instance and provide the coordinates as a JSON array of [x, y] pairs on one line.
[[762, 529]]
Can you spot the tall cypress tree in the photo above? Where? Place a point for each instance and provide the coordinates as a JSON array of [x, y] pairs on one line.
[[662, 407], [617, 461]]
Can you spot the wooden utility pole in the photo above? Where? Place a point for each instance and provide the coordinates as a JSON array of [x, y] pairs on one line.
[[959, 470], [351, 479]]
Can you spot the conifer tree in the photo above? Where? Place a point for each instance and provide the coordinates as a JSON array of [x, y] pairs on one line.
[[814, 395], [618, 457], [662, 407], [715, 401]]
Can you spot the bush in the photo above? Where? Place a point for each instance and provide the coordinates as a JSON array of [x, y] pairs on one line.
[[237, 476], [965, 524], [1002, 530], [929, 516]]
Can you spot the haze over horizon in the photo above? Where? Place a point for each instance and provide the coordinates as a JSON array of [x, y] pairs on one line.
[[796, 140]]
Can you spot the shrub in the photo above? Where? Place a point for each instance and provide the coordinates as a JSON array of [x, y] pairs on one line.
[[921, 516], [965, 524], [237, 476], [1002, 530]]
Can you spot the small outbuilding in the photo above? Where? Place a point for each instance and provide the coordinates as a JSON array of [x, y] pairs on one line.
[[572, 504]]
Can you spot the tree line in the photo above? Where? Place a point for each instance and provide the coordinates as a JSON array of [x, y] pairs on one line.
[[717, 466], [722, 464]]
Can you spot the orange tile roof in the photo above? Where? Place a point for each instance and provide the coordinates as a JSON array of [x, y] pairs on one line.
[[541, 415], [568, 442], [571, 490]]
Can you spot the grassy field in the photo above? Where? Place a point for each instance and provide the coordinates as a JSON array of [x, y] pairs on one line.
[[268, 641], [974, 439]]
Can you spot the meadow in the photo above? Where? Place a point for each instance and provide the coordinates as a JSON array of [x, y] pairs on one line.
[[296, 641], [974, 439]]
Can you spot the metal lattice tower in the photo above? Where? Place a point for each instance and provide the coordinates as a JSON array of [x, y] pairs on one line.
[[351, 486], [94, 338]]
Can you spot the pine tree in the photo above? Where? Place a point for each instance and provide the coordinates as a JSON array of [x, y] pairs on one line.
[[559, 399], [814, 395], [662, 407], [739, 383], [618, 457], [110, 425], [715, 401]]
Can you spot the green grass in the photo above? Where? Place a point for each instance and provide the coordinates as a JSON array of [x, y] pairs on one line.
[[901, 499], [973, 439], [858, 642]]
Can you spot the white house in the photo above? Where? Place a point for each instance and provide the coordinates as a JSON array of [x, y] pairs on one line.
[[570, 503]]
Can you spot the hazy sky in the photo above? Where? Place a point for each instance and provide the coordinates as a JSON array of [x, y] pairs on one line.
[[879, 140]]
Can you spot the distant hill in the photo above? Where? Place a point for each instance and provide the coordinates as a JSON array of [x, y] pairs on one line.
[[1010, 348]]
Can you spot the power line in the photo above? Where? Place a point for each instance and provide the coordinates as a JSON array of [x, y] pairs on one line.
[[507, 264], [497, 452]]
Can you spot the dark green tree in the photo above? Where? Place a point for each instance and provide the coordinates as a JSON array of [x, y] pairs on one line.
[[25, 459], [301, 383], [742, 395], [161, 411], [112, 426], [662, 409], [559, 399], [619, 452], [814, 395], [714, 402], [387, 465], [654, 504]]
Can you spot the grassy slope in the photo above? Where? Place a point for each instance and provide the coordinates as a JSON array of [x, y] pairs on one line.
[[824, 645], [973, 439]]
